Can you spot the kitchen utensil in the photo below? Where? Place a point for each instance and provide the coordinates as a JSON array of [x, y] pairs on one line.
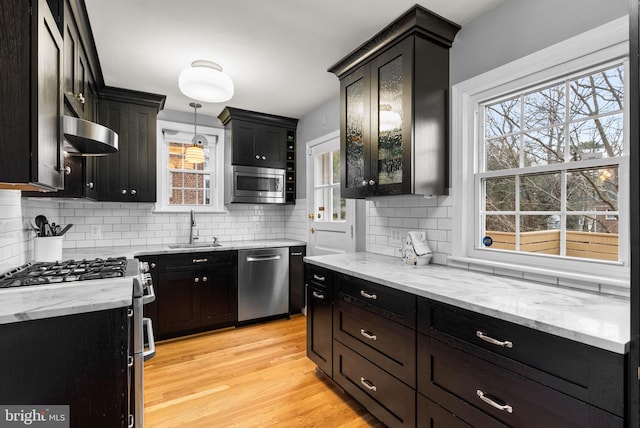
[[41, 222], [65, 229]]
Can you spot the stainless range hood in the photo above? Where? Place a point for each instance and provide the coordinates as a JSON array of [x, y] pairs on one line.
[[84, 138]]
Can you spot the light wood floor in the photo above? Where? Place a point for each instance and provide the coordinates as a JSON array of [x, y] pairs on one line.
[[254, 376]]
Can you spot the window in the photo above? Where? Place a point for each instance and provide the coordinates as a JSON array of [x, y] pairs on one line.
[[540, 158], [329, 206], [549, 168], [184, 185]]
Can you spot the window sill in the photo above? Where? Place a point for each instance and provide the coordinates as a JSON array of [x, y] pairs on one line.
[[548, 276]]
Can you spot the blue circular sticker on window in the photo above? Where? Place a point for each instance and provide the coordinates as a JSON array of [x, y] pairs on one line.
[[487, 241]]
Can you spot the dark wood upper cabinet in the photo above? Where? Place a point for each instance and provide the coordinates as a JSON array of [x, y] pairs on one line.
[[130, 174], [394, 93], [257, 139], [30, 97]]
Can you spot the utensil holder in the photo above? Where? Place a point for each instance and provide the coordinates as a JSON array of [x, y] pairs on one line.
[[47, 249]]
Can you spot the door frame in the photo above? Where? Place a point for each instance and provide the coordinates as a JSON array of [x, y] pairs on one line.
[[335, 135]]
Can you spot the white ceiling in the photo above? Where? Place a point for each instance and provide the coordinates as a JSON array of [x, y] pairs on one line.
[[277, 52]]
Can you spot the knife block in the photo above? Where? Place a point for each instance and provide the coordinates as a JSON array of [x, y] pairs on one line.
[[47, 249]]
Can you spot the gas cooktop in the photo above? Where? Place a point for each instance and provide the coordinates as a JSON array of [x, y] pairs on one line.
[[64, 271]]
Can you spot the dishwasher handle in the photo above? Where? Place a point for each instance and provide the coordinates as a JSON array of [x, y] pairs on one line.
[[263, 258]]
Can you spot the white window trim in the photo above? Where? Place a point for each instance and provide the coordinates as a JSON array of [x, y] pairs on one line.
[[600, 45], [217, 152]]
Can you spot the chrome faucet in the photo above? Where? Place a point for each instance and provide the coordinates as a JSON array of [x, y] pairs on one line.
[[192, 225]]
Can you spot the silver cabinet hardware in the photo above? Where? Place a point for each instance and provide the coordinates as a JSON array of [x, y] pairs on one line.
[[80, 98], [200, 260], [504, 407], [124, 191], [134, 191], [364, 182], [491, 340], [205, 279], [90, 185], [67, 170], [318, 278], [264, 157], [297, 254], [153, 265], [368, 296], [196, 280], [368, 334], [367, 384], [258, 157], [318, 295], [372, 183]]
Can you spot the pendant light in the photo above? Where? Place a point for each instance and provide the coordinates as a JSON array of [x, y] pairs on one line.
[[195, 153], [205, 81]]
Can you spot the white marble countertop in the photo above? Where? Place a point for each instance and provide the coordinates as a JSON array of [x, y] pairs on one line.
[[51, 300], [598, 320], [147, 250]]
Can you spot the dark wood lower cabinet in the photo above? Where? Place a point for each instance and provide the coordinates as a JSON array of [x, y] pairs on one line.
[[387, 398], [196, 293], [442, 376], [320, 329], [76, 360]]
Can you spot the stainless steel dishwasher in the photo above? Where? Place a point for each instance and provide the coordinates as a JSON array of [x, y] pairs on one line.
[[263, 283]]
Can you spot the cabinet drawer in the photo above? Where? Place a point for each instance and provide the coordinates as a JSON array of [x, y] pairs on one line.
[[431, 415], [385, 301], [388, 344], [318, 277], [587, 373], [444, 371], [388, 399], [188, 261]]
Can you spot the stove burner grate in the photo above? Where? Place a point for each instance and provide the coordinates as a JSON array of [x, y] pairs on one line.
[[64, 271]]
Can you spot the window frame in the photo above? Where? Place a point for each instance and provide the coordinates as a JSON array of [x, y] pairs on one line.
[[593, 50], [216, 156]]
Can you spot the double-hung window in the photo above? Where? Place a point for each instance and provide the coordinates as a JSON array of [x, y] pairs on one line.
[[184, 185], [546, 181]]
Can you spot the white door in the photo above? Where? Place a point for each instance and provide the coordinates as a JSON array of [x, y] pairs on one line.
[[331, 218]]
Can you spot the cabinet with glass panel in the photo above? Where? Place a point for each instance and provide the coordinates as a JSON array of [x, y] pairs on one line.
[[394, 109]]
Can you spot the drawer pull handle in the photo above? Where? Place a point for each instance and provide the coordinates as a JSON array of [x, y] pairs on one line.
[[368, 334], [318, 278], [367, 295], [318, 295], [367, 384], [504, 407], [200, 260], [491, 340]]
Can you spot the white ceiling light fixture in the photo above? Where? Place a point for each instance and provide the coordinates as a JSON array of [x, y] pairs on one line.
[[195, 153], [205, 81]]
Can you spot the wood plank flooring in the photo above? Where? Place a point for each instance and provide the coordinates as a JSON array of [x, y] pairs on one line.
[[253, 376]]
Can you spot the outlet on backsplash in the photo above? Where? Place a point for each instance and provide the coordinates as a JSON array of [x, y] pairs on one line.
[[96, 231], [396, 237]]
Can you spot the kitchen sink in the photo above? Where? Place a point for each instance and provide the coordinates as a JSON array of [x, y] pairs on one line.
[[196, 245]]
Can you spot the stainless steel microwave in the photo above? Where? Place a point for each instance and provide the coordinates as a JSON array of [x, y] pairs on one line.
[[255, 185]]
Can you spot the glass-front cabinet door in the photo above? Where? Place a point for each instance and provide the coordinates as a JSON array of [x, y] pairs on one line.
[[391, 120], [355, 104], [376, 125]]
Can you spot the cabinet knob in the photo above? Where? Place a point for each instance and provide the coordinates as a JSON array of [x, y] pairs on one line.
[[258, 157], [205, 279], [264, 158], [196, 280], [80, 98], [153, 265], [124, 191], [364, 182], [67, 170], [133, 191], [90, 185], [372, 183]]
